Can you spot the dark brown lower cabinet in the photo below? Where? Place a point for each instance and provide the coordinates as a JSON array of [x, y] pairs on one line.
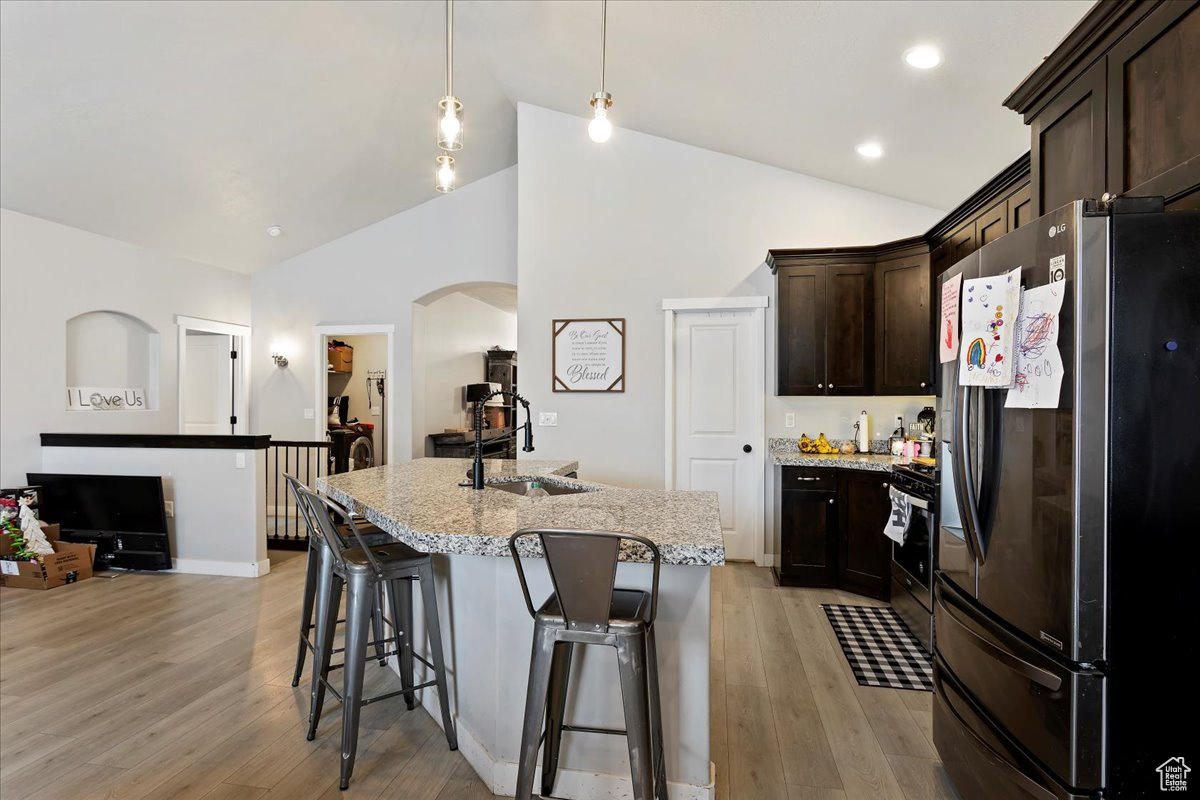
[[864, 553], [831, 530]]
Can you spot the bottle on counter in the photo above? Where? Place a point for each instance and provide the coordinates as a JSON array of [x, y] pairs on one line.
[[535, 490]]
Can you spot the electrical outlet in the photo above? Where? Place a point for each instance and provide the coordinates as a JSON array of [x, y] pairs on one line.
[[789, 420], [169, 507], [548, 419], [239, 460], [310, 413]]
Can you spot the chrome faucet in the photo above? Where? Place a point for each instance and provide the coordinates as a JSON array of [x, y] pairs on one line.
[[477, 467]]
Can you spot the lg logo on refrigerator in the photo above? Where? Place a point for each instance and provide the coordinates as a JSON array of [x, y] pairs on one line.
[[1055, 230]]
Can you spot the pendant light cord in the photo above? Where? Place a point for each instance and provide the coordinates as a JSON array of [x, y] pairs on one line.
[[449, 48], [603, 37]]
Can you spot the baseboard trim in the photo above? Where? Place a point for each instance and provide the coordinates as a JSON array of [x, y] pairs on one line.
[[232, 569], [501, 776]]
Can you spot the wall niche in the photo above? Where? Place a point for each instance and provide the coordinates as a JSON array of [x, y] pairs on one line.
[[112, 362]]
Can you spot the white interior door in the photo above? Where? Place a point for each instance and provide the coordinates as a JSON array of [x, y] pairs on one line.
[[207, 392], [718, 415]]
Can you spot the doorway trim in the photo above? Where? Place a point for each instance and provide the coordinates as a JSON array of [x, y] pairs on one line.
[[241, 333], [758, 304], [320, 415]]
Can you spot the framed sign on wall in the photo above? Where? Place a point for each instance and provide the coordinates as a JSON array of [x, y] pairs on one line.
[[588, 355]]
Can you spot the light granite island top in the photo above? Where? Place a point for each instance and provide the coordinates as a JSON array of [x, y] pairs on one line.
[[489, 633], [421, 503]]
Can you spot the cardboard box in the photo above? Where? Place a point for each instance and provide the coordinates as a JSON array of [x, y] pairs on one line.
[[341, 358], [69, 563]]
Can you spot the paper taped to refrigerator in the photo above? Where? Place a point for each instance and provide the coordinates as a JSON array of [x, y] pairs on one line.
[[989, 312], [1038, 366], [948, 326]]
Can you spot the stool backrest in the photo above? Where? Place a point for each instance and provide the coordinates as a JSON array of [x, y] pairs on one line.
[[310, 525], [583, 568], [327, 515]]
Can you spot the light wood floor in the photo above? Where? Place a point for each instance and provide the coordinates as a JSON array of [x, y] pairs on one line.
[[173, 687]]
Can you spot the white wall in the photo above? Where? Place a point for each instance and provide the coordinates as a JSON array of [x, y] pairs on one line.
[[373, 276], [612, 230], [451, 335], [219, 527], [50, 273]]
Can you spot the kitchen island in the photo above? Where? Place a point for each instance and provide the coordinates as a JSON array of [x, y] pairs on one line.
[[488, 632]]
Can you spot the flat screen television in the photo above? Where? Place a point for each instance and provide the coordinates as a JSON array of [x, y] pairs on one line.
[[102, 503]]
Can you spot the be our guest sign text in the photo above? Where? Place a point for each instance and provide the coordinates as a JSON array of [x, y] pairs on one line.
[[589, 355]]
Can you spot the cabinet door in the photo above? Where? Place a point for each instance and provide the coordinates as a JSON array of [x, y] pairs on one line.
[[1020, 207], [1153, 117], [808, 539], [903, 326], [962, 243], [1067, 159], [801, 330], [864, 553], [850, 330], [991, 224]]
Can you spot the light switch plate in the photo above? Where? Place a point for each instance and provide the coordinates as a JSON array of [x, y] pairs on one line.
[[309, 413], [548, 419], [169, 507], [789, 420], [239, 460]]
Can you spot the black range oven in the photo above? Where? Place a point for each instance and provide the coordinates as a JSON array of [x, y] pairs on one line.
[[912, 562]]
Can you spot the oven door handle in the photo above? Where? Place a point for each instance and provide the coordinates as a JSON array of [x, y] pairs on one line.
[[914, 501]]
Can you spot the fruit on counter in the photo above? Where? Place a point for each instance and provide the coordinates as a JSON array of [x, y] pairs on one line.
[[807, 445], [848, 448], [824, 447]]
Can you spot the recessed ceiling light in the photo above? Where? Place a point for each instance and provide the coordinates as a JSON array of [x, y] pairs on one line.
[[274, 231], [870, 149], [922, 56]]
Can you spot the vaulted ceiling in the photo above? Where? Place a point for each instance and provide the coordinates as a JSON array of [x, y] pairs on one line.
[[193, 127]]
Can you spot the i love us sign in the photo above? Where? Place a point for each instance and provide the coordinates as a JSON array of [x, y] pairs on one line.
[[589, 355], [90, 398]]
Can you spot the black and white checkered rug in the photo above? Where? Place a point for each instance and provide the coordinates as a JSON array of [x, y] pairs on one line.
[[881, 651]]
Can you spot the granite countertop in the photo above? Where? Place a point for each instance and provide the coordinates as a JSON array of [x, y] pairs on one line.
[[421, 503], [786, 453]]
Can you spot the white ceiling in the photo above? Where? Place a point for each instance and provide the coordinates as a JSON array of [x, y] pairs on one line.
[[193, 127]]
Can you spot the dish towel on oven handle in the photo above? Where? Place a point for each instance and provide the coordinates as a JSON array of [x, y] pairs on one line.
[[896, 528]]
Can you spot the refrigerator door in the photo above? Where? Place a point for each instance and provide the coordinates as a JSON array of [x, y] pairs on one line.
[[1042, 570], [957, 553]]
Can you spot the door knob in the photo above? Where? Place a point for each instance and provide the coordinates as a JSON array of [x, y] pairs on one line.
[[746, 448]]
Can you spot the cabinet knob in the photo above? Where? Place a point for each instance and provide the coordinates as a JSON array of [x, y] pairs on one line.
[[922, 384], [820, 386], [886, 484], [831, 501], [831, 386]]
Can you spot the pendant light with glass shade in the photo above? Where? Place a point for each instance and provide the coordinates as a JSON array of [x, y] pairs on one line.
[[599, 129], [450, 115]]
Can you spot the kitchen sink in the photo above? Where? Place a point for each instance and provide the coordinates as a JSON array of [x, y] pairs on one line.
[[521, 487]]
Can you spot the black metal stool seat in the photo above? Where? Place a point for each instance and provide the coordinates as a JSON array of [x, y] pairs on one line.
[[586, 609], [372, 535], [363, 571]]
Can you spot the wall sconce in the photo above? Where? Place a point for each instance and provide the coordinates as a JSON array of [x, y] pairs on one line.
[[279, 359]]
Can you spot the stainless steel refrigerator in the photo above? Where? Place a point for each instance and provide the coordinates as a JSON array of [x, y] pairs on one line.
[[1065, 611]]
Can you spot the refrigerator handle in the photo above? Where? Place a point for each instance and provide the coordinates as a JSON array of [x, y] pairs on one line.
[[963, 477]]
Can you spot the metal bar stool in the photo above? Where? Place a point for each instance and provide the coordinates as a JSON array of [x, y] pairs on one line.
[[362, 570], [586, 609], [373, 536]]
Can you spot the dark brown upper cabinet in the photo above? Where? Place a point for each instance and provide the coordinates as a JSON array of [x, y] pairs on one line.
[[902, 326], [1153, 106], [850, 329], [1113, 109], [801, 326], [825, 328], [1068, 155], [1020, 208], [991, 224]]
